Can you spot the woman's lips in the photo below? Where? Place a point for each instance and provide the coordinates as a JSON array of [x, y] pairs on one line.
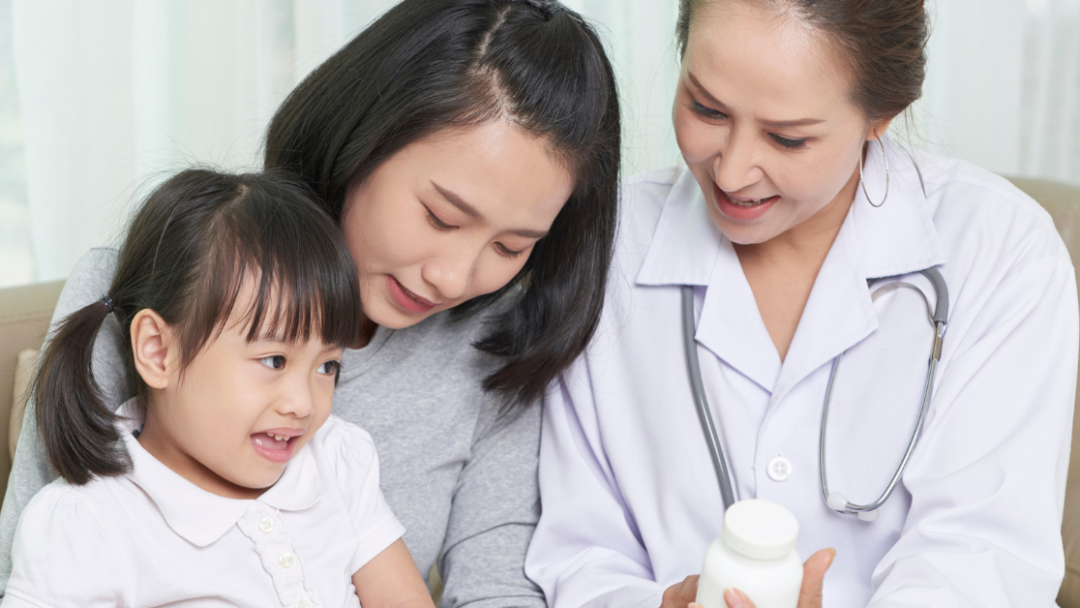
[[407, 299], [742, 212]]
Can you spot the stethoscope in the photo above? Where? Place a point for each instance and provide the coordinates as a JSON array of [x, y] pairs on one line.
[[836, 501]]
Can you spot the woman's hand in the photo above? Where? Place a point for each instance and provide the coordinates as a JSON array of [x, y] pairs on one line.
[[810, 593], [682, 595]]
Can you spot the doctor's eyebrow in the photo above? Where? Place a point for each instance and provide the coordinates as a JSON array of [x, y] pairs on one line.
[[775, 124], [455, 200]]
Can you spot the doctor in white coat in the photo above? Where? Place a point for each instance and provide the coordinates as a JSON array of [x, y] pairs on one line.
[[797, 252]]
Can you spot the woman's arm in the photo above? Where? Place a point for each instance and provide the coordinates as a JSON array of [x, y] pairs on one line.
[[88, 282], [391, 580], [987, 479], [495, 508]]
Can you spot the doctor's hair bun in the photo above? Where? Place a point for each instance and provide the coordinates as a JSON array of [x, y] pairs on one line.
[[882, 43]]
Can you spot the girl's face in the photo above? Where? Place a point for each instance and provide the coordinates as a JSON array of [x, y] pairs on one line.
[[240, 410], [451, 217], [764, 120]]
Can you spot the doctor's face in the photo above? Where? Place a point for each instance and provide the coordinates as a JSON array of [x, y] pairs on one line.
[[764, 120]]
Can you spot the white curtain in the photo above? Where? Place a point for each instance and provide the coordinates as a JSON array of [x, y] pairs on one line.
[[99, 100]]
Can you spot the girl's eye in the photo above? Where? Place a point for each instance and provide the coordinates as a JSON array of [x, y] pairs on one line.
[[791, 144], [437, 223], [330, 368], [506, 252], [273, 361], [707, 112]]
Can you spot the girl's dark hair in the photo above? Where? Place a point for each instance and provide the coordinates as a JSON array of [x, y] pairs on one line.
[[428, 65], [882, 43], [186, 256]]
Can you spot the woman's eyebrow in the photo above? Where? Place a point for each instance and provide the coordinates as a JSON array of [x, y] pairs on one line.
[[775, 124], [455, 200]]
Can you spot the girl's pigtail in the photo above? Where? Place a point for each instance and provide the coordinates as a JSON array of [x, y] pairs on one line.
[[78, 430]]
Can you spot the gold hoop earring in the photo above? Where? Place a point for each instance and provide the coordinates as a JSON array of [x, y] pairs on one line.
[[863, 184]]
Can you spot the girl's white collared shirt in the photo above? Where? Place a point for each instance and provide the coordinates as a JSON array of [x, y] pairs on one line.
[[629, 493], [152, 538]]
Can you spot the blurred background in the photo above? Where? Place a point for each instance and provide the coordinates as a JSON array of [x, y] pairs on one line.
[[102, 99]]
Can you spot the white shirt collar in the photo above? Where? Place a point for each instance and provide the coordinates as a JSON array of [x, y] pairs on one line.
[[197, 515], [897, 238]]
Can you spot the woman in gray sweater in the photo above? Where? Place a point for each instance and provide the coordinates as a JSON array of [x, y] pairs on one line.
[[469, 151]]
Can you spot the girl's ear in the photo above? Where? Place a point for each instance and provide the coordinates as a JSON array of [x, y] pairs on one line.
[[154, 347], [878, 129]]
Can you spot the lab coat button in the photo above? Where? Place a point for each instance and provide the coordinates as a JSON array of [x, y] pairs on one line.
[[779, 469]]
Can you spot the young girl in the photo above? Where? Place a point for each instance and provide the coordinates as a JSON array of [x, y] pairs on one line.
[[225, 481]]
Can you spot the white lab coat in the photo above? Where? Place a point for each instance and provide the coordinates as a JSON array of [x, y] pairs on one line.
[[629, 493]]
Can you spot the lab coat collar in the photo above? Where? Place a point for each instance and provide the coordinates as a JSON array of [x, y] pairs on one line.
[[897, 238], [196, 515]]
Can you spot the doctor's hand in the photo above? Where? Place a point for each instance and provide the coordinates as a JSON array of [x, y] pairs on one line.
[[809, 595]]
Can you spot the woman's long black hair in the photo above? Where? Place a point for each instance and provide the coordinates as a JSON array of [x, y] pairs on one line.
[[428, 65], [186, 255]]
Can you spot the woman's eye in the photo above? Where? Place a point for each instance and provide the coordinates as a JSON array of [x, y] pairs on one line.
[[437, 223], [507, 252], [273, 361], [791, 144], [707, 112], [330, 368]]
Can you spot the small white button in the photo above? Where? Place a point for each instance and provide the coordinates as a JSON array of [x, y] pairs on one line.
[[301, 603], [285, 560], [779, 469], [266, 525]]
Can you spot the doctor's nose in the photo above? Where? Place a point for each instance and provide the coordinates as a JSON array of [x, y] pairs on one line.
[[735, 166]]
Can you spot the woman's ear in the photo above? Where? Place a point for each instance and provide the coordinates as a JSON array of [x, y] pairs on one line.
[[154, 347]]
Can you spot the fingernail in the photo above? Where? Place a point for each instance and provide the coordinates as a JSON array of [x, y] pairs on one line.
[[832, 554], [733, 598]]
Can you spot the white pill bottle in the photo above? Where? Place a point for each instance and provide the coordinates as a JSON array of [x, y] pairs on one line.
[[755, 553]]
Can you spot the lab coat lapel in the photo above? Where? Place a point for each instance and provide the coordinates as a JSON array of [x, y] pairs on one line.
[[688, 249], [894, 239]]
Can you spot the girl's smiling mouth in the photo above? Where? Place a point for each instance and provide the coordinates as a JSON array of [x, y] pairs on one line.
[[276, 445]]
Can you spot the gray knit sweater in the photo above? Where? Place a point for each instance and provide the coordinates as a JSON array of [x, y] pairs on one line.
[[460, 478]]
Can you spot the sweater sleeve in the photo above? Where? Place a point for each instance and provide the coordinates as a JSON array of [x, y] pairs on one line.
[[30, 472], [494, 511]]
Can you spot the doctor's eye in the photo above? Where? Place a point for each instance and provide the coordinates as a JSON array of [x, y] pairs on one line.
[[706, 112], [273, 361], [790, 144]]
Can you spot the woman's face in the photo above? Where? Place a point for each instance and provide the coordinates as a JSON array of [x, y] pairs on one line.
[[764, 120], [451, 217]]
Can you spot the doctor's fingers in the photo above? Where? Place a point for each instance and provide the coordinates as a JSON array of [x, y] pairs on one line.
[[680, 595], [813, 577], [809, 595]]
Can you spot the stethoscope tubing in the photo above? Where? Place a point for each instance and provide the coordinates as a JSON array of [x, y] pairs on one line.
[[693, 366], [939, 316]]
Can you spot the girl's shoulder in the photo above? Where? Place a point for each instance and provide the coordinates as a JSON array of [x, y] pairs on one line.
[[344, 447], [77, 514]]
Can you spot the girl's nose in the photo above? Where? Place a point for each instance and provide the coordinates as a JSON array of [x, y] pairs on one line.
[[298, 399]]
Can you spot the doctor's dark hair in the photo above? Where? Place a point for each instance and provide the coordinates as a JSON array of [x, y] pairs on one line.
[[881, 42], [188, 251], [429, 65]]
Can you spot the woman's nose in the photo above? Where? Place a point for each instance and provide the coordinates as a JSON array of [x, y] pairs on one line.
[[450, 273]]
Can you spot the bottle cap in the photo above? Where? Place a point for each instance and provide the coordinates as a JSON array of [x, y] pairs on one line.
[[760, 529]]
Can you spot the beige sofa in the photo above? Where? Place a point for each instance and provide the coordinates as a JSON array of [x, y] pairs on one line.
[[25, 314]]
